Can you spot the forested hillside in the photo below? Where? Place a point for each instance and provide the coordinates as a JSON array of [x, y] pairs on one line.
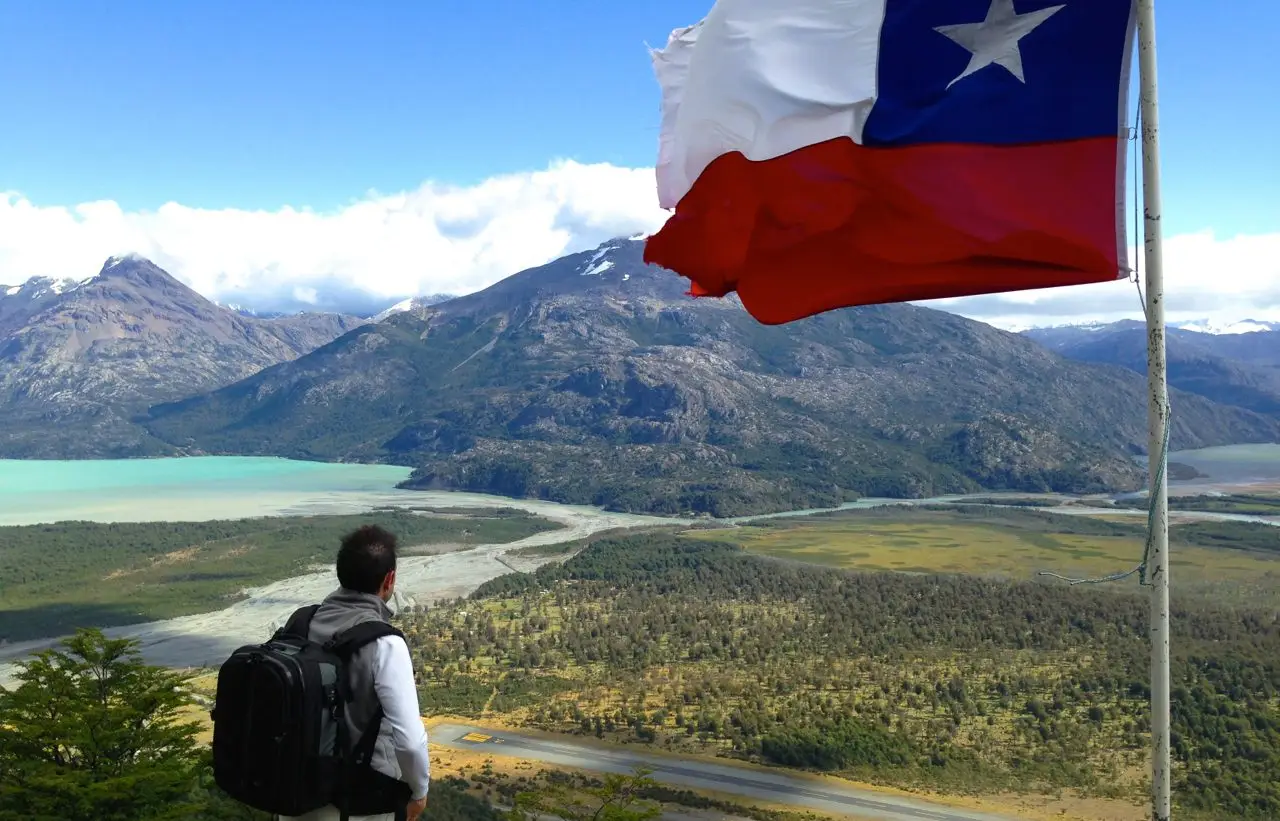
[[944, 682]]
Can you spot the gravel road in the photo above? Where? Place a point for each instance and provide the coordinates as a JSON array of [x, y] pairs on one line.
[[696, 774]]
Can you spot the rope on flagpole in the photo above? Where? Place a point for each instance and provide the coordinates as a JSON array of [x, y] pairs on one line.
[[1141, 568], [1136, 277], [1135, 135]]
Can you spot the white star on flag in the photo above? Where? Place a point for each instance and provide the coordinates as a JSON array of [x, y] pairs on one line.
[[995, 39]]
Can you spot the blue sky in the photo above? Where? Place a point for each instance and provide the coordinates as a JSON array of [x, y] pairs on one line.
[[256, 106]]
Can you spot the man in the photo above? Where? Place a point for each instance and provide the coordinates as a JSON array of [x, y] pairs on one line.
[[380, 672]]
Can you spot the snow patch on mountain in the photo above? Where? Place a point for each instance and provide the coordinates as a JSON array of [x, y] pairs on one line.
[[599, 268], [413, 303], [600, 261], [116, 260], [37, 287], [398, 308]]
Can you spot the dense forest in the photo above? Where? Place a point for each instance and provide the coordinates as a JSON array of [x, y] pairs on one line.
[[946, 682], [56, 577]]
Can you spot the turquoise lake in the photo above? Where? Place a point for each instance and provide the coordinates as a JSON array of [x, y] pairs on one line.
[[1231, 464], [231, 487], [192, 488]]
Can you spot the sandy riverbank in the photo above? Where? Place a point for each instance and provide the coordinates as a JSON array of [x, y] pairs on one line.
[[208, 638]]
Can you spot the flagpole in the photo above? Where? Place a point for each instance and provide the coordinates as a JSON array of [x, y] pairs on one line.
[[1157, 415]]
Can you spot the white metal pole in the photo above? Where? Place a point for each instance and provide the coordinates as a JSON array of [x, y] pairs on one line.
[[1157, 414]]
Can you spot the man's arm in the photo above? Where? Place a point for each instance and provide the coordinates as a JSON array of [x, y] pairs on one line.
[[393, 679]]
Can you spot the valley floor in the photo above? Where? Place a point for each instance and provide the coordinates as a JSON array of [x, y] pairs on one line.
[[1072, 714]]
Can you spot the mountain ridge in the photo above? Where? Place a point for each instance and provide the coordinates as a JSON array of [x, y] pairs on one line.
[[1239, 369]]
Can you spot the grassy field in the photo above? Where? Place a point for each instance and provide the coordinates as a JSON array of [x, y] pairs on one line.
[[1014, 544], [60, 576]]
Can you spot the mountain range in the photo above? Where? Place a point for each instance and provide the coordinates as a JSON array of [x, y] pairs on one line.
[[594, 379], [79, 359], [1238, 365]]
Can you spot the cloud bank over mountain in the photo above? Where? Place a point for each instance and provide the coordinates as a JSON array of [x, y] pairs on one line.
[[457, 239]]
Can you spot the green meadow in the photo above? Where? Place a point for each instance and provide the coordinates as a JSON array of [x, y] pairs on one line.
[[1238, 561]]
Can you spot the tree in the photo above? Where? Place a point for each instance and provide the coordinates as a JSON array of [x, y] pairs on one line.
[[92, 732], [619, 798]]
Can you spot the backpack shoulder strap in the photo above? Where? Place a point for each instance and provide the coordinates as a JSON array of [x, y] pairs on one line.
[[357, 636], [299, 624], [348, 642], [344, 645]]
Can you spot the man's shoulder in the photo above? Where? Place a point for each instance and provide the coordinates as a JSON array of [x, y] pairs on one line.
[[391, 646], [393, 639]]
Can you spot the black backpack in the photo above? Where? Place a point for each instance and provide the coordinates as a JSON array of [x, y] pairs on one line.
[[279, 732]]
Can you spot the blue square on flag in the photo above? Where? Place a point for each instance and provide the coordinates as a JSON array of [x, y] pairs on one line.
[[996, 72]]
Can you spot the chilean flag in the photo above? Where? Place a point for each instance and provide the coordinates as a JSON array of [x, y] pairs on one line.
[[827, 153]]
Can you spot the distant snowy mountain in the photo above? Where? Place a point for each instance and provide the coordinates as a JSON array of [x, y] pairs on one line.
[[245, 310], [1234, 363], [19, 302], [1200, 326], [40, 286], [1244, 326]]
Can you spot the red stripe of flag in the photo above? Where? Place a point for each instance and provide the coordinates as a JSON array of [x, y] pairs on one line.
[[838, 224]]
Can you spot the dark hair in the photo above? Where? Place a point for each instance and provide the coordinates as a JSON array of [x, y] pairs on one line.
[[366, 557]]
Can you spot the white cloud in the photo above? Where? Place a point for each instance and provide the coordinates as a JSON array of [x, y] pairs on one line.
[[436, 239], [307, 294], [448, 239], [1222, 279]]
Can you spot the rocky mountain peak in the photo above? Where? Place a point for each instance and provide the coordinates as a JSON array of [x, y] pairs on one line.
[[142, 272], [79, 359], [1233, 363], [614, 270], [125, 260], [611, 277]]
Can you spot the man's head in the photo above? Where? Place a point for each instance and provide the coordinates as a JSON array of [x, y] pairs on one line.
[[367, 562]]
